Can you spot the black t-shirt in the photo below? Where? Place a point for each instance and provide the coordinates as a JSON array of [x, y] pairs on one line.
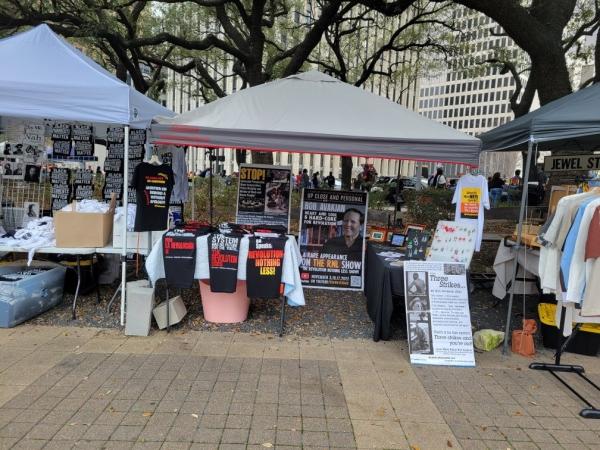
[[264, 266], [223, 256], [153, 186], [179, 258]]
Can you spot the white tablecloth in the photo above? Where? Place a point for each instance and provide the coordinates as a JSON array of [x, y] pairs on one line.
[[528, 260], [290, 266]]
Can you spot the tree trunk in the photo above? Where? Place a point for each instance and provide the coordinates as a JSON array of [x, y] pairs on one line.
[[346, 172], [240, 156]]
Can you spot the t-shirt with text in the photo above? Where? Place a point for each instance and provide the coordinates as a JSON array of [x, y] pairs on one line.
[[264, 266], [153, 186], [471, 196]]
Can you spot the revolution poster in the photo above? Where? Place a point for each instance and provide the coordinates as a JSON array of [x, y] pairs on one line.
[[264, 195], [332, 239], [437, 313]]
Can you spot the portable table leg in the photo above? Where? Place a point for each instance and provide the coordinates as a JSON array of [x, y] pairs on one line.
[[93, 277], [78, 284], [282, 319]]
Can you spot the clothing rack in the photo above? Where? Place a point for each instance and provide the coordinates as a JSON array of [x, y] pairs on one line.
[[590, 412]]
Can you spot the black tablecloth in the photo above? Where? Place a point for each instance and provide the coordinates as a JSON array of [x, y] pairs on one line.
[[382, 281]]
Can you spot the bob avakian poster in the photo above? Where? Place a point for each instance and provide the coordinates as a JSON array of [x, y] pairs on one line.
[[332, 239]]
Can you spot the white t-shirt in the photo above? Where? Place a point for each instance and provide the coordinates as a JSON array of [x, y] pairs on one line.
[[471, 196]]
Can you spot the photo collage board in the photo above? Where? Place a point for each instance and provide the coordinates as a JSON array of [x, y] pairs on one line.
[[23, 151]]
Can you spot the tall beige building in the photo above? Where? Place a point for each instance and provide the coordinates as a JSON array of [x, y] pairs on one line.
[[472, 96]]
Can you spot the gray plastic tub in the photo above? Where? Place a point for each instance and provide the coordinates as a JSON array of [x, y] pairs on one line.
[[25, 297]]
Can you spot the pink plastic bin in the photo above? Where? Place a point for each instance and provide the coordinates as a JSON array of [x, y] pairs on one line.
[[222, 307]]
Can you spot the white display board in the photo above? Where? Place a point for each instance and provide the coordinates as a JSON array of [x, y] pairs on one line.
[[453, 242], [437, 314]]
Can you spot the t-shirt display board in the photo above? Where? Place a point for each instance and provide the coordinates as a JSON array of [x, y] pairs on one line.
[[453, 242], [264, 195], [437, 314], [332, 239]]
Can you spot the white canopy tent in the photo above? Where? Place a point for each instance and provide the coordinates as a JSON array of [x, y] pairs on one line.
[[314, 113], [44, 77]]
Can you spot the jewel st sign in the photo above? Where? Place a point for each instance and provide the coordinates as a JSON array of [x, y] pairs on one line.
[[571, 162]]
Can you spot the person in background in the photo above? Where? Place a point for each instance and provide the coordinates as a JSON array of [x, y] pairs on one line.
[[496, 186], [516, 180], [305, 179], [298, 183], [439, 180], [330, 180], [315, 180], [452, 184], [514, 187]]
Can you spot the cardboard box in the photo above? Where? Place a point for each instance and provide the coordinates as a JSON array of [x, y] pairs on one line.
[[79, 229], [177, 312]]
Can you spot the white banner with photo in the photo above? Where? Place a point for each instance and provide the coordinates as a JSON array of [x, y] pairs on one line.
[[437, 313]]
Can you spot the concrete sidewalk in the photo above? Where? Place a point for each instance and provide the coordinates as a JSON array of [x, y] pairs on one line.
[[64, 388]]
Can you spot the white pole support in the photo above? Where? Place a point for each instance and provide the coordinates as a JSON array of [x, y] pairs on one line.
[[124, 224]]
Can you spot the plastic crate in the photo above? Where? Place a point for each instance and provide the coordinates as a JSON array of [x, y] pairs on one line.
[[21, 299], [585, 342]]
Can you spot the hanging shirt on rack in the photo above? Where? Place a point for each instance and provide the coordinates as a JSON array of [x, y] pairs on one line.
[[554, 237], [179, 258], [153, 186], [568, 248], [264, 266], [471, 196], [175, 156], [223, 258]]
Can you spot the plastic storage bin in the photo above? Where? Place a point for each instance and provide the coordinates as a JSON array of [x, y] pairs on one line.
[[585, 342], [26, 292]]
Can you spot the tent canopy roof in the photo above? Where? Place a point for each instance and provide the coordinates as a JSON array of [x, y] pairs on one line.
[[569, 123], [313, 112], [45, 77]]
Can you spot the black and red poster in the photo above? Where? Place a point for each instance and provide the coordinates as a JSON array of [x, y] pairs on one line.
[[223, 257], [179, 257], [264, 267]]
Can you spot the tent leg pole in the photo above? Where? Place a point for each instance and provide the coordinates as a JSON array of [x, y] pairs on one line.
[[397, 198], [124, 229], [210, 185], [516, 247]]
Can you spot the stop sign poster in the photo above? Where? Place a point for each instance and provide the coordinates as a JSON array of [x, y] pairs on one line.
[[264, 195]]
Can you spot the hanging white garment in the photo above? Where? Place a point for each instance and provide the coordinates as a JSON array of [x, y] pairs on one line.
[[577, 274], [471, 196]]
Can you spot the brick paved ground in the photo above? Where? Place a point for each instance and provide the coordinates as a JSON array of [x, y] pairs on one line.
[[64, 388]]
